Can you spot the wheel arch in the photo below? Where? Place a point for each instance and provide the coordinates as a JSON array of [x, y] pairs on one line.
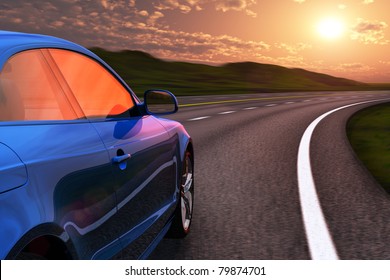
[[48, 241], [187, 146], [190, 148]]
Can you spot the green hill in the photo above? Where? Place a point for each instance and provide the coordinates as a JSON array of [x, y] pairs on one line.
[[143, 71]]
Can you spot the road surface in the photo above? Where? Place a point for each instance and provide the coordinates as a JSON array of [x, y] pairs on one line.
[[249, 201]]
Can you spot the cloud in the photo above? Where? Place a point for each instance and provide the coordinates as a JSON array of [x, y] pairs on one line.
[[154, 17], [290, 61], [369, 32], [118, 25], [175, 5], [186, 6], [293, 49], [195, 4], [352, 66], [195, 46], [57, 23], [143, 13], [236, 5], [110, 5], [299, 1], [366, 2], [385, 62], [16, 20]]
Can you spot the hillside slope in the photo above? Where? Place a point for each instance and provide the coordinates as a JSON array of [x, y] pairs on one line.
[[143, 71]]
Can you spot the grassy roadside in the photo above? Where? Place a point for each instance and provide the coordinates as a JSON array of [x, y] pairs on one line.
[[369, 133]]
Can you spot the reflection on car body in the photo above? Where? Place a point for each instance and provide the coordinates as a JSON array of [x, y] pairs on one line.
[[87, 169]]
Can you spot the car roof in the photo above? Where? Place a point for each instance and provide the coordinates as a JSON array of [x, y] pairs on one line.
[[14, 42]]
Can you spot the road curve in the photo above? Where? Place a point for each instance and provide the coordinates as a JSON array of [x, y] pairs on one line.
[[247, 203]]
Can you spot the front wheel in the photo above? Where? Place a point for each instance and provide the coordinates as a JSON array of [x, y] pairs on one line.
[[183, 215]]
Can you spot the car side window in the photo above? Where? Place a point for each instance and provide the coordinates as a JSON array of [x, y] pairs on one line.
[[97, 91], [30, 92]]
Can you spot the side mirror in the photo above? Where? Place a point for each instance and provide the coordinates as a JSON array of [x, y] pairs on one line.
[[160, 102]]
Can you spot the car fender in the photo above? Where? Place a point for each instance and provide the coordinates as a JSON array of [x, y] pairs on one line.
[[46, 229]]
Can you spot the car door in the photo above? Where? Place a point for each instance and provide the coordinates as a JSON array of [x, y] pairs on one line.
[[143, 155], [67, 180]]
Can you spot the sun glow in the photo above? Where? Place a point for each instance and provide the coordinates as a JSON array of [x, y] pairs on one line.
[[330, 28]]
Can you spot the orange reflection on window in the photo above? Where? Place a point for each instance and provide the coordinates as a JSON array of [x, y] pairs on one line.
[[97, 91], [29, 91]]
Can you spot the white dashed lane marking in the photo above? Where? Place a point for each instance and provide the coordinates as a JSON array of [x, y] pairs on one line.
[[268, 105], [250, 108], [199, 118], [226, 113]]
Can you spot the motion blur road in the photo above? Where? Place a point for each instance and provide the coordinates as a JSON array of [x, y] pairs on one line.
[[247, 200]]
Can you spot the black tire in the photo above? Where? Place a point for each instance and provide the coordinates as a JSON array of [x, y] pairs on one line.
[[183, 214]]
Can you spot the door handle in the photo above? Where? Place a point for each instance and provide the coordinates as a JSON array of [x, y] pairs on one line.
[[120, 159]]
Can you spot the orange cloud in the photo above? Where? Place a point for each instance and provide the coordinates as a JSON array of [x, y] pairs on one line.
[[173, 5], [235, 5], [369, 32], [294, 48], [354, 67], [186, 6]]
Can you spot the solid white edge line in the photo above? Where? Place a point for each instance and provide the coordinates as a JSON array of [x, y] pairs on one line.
[[319, 239]]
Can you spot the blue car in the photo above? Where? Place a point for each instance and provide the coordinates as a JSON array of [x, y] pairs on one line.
[[87, 170]]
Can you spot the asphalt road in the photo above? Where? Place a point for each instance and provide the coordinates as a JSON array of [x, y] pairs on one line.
[[248, 203]]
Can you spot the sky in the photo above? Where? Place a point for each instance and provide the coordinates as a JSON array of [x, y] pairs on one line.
[[344, 38]]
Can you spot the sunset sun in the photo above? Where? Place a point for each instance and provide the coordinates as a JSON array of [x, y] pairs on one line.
[[330, 28]]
